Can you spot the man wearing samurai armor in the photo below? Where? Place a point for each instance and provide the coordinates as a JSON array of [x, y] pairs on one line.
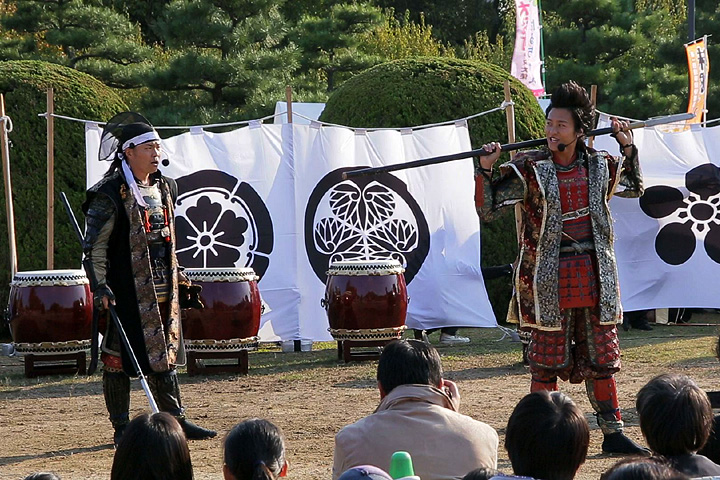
[[130, 247], [566, 297]]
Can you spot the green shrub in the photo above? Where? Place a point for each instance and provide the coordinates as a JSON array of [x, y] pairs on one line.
[[421, 91], [24, 84]]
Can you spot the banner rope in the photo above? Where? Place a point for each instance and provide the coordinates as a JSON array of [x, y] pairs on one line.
[[7, 122], [502, 106], [177, 127]]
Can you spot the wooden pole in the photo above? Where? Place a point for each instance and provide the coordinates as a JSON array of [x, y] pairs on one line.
[[510, 118], [510, 115], [50, 179], [8, 188], [288, 101], [593, 100]]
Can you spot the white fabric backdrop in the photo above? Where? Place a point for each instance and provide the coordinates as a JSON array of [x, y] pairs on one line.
[[284, 163], [646, 281]]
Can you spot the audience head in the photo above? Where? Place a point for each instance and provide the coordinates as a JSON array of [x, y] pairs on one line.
[[254, 450], [547, 436], [653, 468], [153, 447], [482, 474], [675, 415], [365, 472], [42, 476], [407, 362]]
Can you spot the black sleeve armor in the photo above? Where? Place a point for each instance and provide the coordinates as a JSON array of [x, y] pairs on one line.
[[99, 211]]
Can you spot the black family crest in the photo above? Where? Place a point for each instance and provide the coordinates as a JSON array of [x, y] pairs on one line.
[[364, 218], [221, 222], [687, 218]]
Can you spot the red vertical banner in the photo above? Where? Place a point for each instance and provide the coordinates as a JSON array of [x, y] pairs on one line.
[[699, 71], [526, 64]]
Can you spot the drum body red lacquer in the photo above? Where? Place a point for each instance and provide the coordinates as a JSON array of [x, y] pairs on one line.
[[50, 311], [231, 317], [366, 300]]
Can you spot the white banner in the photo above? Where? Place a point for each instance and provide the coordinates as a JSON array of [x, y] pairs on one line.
[[668, 242], [526, 64], [260, 196]]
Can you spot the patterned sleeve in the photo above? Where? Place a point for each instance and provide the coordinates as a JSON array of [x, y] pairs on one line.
[[503, 191], [629, 181], [99, 222]]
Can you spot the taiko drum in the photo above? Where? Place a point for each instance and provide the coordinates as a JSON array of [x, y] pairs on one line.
[[366, 300], [50, 311], [231, 317]]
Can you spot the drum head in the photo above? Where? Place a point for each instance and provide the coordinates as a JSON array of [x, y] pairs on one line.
[[366, 267], [229, 274], [50, 278]]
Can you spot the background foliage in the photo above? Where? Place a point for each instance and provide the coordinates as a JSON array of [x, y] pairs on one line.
[[197, 61], [186, 62], [24, 84]]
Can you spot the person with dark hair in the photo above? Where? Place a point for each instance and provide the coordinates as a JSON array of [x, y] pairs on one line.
[[129, 245], [566, 297], [483, 474], [712, 447], [153, 447], [418, 414], [547, 436], [653, 468], [676, 419], [42, 476], [254, 450]]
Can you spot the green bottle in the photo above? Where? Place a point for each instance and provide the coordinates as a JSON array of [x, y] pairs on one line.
[[401, 467]]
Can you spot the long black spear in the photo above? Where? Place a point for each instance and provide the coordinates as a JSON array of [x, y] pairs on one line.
[[480, 152]]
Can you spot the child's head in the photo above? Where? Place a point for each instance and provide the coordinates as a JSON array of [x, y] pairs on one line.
[[153, 447], [654, 468], [254, 449], [675, 415], [547, 436]]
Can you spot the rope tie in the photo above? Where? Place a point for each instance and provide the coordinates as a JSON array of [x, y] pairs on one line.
[[7, 121]]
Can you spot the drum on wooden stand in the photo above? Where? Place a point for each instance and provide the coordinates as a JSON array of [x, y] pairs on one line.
[[231, 318], [50, 312], [366, 300]]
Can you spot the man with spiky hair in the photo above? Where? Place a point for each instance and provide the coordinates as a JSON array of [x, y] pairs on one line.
[[566, 297]]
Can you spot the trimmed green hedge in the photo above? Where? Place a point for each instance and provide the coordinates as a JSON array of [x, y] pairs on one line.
[[78, 95], [421, 91]]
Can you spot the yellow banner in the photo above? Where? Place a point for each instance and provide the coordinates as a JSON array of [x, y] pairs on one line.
[[699, 69]]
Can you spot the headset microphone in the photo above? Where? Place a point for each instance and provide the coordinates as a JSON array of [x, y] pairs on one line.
[[166, 162], [562, 146]]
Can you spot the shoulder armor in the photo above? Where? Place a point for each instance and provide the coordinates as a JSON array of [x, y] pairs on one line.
[[100, 209]]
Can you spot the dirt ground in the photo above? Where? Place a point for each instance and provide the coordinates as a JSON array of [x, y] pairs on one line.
[[59, 423]]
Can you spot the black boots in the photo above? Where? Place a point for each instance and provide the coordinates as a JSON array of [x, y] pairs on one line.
[[166, 390], [617, 442], [196, 432], [637, 320]]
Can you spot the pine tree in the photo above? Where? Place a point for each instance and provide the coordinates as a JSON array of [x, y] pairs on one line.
[[329, 44], [222, 58], [707, 16], [630, 50], [81, 34]]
